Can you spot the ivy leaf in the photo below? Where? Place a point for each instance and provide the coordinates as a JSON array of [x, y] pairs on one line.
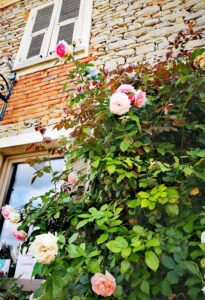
[[151, 260]]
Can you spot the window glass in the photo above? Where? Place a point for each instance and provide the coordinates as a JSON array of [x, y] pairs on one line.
[[20, 192]]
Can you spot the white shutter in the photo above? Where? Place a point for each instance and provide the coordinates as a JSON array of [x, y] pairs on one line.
[[69, 23], [36, 40]]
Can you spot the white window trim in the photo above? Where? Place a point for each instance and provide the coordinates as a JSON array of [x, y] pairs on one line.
[[82, 33]]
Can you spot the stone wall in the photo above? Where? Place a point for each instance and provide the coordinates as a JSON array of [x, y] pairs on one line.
[[125, 31]]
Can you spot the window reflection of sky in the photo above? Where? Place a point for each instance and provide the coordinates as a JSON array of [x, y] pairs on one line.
[[23, 191]]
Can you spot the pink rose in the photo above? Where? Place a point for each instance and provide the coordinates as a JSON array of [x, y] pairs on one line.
[[20, 235], [103, 285], [72, 178], [6, 211], [63, 49], [126, 89], [139, 98]]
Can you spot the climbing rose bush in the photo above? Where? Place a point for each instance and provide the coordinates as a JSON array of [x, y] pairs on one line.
[[132, 225]]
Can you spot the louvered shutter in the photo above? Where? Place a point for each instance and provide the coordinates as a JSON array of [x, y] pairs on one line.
[[67, 22], [36, 40], [42, 22]]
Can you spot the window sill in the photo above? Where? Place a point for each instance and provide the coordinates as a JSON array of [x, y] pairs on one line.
[[47, 63]]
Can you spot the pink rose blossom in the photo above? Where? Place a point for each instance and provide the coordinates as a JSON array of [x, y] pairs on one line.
[[119, 104], [72, 178], [139, 99], [63, 49], [126, 89], [103, 285], [6, 211], [20, 235]]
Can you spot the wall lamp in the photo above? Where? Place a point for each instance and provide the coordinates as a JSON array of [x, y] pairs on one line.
[[7, 86]]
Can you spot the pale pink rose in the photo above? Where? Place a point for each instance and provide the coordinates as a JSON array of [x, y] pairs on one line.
[[20, 235], [126, 89], [6, 211], [103, 285], [119, 104], [72, 178], [63, 49], [139, 98]]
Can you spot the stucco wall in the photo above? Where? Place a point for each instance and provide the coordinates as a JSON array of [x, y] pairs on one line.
[[123, 31]]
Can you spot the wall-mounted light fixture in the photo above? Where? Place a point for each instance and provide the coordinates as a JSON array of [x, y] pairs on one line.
[[7, 86]]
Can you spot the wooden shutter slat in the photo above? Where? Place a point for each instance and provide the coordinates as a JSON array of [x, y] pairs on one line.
[[66, 33], [35, 46], [43, 18], [70, 9]]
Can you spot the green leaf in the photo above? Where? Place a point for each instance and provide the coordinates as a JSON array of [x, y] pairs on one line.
[[61, 239], [57, 215], [111, 169], [133, 203], [173, 277], [82, 223], [93, 266], [168, 262], [151, 260], [153, 243], [124, 145], [126, 252], [125, 265], [165, 288], [191, 267], [193, 292], [73, 238], [202, 263], [102, 238], [117, 245], [75, 251], [192, 281], [145, 287]]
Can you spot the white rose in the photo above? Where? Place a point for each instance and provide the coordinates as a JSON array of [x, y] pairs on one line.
[[45, 248], [14, 217], [203, 290], [203, 237], [119, 104]]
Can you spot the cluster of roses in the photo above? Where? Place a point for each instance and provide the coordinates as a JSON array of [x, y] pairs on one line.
[[125, 97], [45, 248], [10, 214]]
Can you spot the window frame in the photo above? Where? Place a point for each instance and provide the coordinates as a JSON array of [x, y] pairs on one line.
[[82, 29], [6, 168]]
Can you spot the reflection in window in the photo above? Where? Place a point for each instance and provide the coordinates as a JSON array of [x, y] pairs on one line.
[[20, 192]]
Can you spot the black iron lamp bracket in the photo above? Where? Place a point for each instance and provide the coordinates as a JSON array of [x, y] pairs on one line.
[[6, 88]]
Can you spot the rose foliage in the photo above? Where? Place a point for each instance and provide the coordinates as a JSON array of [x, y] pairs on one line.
[[132, 221]]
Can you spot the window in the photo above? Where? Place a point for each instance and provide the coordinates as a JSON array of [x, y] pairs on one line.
[[68, 20], [17, 193]]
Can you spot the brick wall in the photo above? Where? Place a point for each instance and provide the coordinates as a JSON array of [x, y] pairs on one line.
[[123, 31]]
